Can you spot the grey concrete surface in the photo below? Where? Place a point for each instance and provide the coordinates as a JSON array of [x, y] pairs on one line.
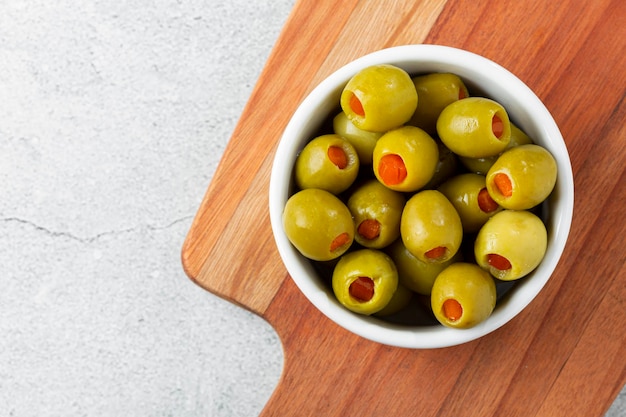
[[113, 117]]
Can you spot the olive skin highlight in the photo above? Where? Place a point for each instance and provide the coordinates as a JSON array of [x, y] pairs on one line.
[[474, 127], [379, 98], [435, 92], [328, 162], [430, 227], [318, 224], [511, 244], [405, 159], [365, 281], [522, 177], [463, 295], [376, 210]]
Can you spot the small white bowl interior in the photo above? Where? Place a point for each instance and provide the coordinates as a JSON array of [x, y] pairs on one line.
[[480, 74]]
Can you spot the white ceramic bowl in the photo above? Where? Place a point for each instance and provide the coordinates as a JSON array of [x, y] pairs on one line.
[[479, 74]]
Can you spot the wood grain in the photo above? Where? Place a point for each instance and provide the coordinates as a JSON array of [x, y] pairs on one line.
[[374, 26], [565, 355], [233, 217]]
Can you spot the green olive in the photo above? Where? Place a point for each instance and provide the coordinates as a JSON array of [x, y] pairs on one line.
[[328, 162], [463, 295], [362, 140], [474, 127], [511, 244], [430, 227], [482, 165], [468, 194], [447, 166], [405, 159], [435, 91], [401, 298], [415, 274], [318, 224], [376, 210], [364, 281], [522, 177], [379, 98]]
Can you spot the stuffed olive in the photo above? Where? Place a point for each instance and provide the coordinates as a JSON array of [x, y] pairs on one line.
[[379, 98], [447, 166], [468, 194], [376, 210], [318, 224], [463, 295], [328, 162], [401, 299], [362, 140], [474, 127], [482, 165], [414, 273], [511, 244], [430, 227], [522, 177], [387, 177], [435, 91], [364, 281], [405, 159]]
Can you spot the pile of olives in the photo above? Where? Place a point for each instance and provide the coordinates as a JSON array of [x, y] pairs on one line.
[[417, 190]]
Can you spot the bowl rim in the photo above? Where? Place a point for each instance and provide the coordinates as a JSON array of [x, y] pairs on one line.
[[475, 70]]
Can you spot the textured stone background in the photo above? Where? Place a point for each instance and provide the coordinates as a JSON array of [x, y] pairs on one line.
[[113, 117]]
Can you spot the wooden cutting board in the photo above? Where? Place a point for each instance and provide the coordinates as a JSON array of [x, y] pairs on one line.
[[565, 355]]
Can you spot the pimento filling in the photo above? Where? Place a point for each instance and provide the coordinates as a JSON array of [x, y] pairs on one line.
[[498, 262], [369, 229], [503, 184], [338, 156], [452, 309], [362, 289], [485, 202], [391, 169], [339, 241], [356, 105], [436, 253], [497, 126]]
